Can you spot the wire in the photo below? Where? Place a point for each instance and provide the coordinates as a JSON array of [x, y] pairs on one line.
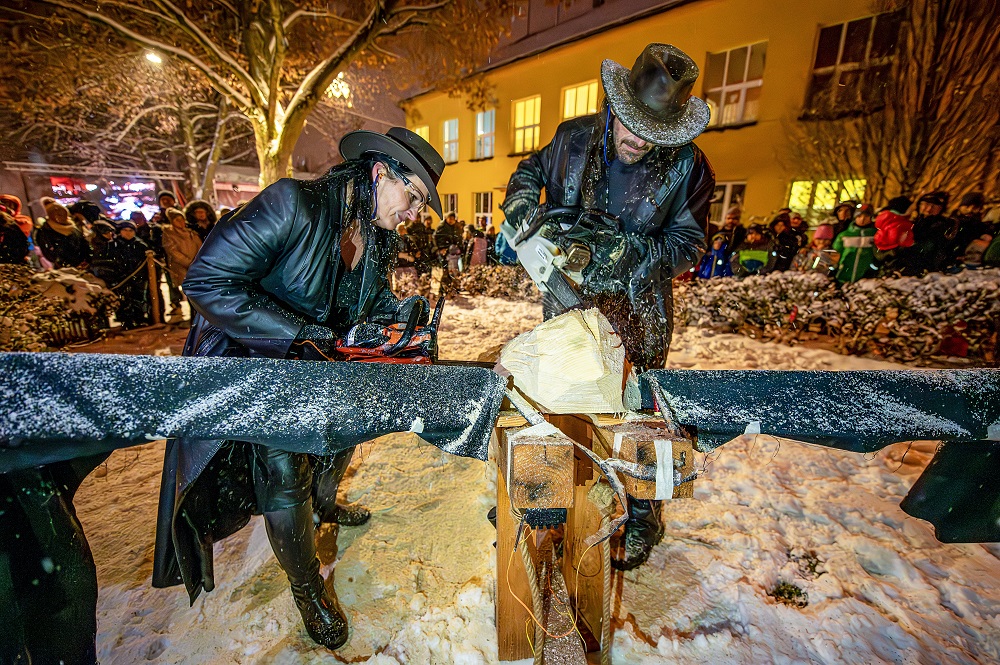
[[521, 602]]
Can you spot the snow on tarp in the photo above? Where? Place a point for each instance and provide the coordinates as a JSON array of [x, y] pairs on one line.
[[56, 406], [861, 411]]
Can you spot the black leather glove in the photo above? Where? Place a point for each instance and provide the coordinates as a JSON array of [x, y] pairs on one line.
[[314, 343], [614, 260], [406, 307], [517, 208]]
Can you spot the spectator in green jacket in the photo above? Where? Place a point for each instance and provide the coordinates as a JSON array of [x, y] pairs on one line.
[[856, 247]]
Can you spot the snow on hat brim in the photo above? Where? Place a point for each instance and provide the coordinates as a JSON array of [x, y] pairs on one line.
[[127, 224], [688, 125]]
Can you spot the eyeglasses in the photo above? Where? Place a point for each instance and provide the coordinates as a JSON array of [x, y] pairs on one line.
[[417, 201]]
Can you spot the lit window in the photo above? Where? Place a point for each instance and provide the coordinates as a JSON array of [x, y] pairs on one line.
[[450, 133], [852, 66], [527, 116], [727, 195], [580, 100], [485, 126], [733, 81], [424, 132], [449, 203], [484, 207], [815, 201]]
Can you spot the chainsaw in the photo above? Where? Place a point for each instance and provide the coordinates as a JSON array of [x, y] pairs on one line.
[[403, 343], [555, 246]]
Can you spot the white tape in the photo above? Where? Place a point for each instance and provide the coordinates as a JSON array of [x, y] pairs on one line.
[[664, 469], [617, 447], [753, 428]]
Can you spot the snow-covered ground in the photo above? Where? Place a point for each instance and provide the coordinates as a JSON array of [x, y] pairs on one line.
[[417, 580]]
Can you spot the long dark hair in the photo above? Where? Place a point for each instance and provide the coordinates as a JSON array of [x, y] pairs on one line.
[[362, 204]]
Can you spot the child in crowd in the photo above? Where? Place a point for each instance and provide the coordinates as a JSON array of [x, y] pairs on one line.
[[818, 256], [716, 262]]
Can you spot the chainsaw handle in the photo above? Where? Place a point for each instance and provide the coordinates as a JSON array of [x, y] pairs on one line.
[[411, 327]]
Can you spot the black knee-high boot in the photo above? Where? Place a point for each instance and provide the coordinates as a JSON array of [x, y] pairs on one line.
[[292, 537], [326, 481], [643, 531]]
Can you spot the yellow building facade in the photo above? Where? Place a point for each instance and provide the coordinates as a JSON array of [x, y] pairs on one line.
[[757, 60]]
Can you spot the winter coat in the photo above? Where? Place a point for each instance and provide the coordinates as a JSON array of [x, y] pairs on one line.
[[932, 250], [991, 257], [266, 270], [65, 246], [192, 221], [103, 264], [892, 230], [786, 244], [667, 219], [734, 238], [13, 242], [447, 235], [180, 247], [715, 264], [856, 247], [129, 257], [756, 259], [822, 261]]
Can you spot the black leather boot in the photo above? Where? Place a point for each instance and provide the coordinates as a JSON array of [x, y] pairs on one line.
[[326, 482], [643, 531], [292, 537]]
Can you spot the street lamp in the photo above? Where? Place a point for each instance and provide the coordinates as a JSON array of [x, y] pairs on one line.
[[154, 57]]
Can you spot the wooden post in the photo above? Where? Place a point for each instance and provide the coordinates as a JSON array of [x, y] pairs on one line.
[[154, 285]]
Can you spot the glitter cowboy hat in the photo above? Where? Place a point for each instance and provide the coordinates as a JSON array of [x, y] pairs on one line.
[[407, 148], [654, 100]]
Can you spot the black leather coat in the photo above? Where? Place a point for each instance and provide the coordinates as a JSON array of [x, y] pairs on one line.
[[265, 271], [668, 219]]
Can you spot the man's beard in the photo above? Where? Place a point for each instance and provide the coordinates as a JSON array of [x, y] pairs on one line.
[[630, 158]]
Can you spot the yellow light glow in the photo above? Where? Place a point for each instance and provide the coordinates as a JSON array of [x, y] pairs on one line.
[[154, 58]]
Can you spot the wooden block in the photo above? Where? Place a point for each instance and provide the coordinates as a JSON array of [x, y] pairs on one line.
[[635, 442], [511, 580], [586, 588], [541, 472]]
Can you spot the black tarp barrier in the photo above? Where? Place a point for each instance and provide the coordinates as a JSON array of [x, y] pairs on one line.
[[56, 406]]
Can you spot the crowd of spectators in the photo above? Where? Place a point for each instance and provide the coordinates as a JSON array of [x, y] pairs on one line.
[[858, 242], [117, 252], [453, 245]]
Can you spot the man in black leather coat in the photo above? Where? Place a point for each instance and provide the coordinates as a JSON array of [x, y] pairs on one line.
[[634, 160], [283, 277]]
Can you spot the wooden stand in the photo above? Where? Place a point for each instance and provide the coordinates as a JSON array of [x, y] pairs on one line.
[[550, 472]]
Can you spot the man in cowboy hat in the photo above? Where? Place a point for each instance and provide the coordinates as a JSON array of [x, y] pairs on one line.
[[634, 160], [283, 277]]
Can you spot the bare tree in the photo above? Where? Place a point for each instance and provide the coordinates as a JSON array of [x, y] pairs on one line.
[[110, 106], [928, 120], [272, 60]]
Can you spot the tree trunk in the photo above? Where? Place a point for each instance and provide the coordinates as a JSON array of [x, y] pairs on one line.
[[192, 167], [274, 152], [214, 155]]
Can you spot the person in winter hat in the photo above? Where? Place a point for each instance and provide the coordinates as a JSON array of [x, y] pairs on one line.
[[818, 256], [798, 226], [13, 206], [180, 244], [842, 216], [934, 236], [164, 199], [129, 255], [893, 228], [968, 220], [786, 241], [61, 241], [733, 229], [715, 263], [635, 159], [105, 264], [756, 256], [856, 248], [85, 213], [200, 217]]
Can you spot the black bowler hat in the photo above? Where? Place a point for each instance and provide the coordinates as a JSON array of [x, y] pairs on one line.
[[407, 148], [654, 100]]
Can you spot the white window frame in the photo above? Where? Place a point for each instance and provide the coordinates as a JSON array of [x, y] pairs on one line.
[[726, 88], [727, 199], [449, 203], [483, 207], [423, 131], [530, 130], [590, 89], [486, 122], [449, 141]]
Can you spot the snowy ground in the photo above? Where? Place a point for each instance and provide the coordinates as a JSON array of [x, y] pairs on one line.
[[417, 581]]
